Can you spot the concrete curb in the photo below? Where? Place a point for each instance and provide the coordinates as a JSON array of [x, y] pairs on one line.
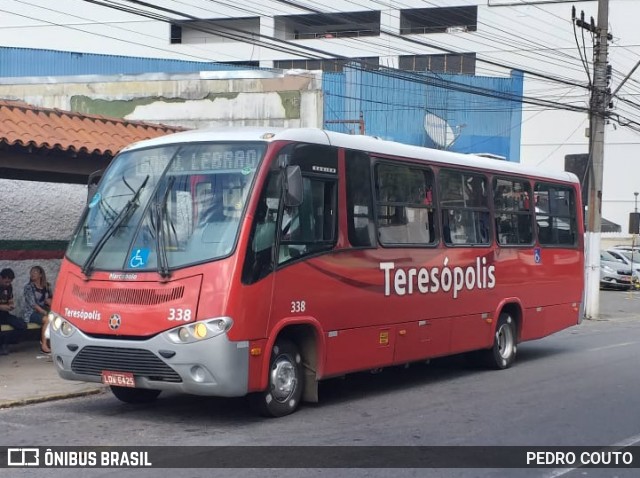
[[610, 317], [50, 398]]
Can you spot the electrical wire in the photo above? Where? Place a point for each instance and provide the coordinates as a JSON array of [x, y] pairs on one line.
[[464, 88], [320, 54]]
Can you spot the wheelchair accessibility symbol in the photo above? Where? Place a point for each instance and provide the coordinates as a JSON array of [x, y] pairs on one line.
[[138, 258], [537, 255]]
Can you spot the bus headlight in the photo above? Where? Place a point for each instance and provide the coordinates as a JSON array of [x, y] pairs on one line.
[[61, 325], [201, 330], [183, 334], [66, 329]]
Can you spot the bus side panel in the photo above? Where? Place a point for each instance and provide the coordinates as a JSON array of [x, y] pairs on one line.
[[557, 277], [547, 281], [470, 332], [534, 324], [560, 317], [349, 350], [543, 321], [417, 340], [343, 291], [351, 295]]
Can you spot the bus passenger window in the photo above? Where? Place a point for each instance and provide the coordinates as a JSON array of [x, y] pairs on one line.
[[405, 209], [465, 209], [513, 213], [555, 215]]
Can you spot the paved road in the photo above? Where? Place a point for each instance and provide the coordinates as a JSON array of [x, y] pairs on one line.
[[579, 387]]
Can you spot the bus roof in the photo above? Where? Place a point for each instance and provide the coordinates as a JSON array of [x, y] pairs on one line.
[[368, 144]]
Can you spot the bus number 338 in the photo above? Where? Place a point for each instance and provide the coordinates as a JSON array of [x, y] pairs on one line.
[[179, 315], [298, 306]]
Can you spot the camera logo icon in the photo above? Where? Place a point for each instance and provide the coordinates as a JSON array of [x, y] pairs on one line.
[[23, 457]]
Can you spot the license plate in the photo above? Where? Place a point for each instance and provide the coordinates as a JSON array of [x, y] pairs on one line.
[[119, 379]]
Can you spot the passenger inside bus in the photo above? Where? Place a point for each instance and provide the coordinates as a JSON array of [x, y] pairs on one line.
[[209, 205], [219, 207]]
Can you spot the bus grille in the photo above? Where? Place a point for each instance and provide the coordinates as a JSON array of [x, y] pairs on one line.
[[92, 360], [95, 295]]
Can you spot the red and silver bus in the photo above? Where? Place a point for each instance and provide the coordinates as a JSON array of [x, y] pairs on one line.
[[234, 262]]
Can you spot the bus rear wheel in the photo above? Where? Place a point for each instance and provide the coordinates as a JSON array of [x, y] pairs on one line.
[[503, 353], [285, 383], [134, 395]]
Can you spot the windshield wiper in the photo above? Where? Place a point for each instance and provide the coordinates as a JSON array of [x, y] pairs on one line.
[[161, 249], [122, 216]]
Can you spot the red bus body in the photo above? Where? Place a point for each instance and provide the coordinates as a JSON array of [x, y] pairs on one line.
[[345, 309]]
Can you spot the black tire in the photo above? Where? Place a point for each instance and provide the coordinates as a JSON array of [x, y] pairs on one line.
[[134, 395], [285, 382], [503, 353]]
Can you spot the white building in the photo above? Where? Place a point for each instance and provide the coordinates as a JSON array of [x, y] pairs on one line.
[[487, 37]]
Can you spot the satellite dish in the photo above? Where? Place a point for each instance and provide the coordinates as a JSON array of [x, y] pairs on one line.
[[439, 130]]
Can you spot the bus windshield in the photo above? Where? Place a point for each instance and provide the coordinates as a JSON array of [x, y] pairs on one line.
[[167, 207]]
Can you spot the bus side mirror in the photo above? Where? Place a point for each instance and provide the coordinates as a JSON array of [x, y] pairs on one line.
[[293, 186]]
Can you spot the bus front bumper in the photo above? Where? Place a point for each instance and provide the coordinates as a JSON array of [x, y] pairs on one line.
[[213, 367]]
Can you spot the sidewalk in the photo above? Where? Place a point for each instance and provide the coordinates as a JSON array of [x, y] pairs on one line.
[[26, 376]]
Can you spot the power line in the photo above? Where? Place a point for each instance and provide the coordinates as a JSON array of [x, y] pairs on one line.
[[442, 48], [389, 72], [464, 88], [93, 32], [297, 49]]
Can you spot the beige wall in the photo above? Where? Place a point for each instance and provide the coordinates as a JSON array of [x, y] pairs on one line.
[[608, 240]]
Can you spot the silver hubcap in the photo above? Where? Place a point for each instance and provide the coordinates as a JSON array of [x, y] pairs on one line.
[[504, 337], [283, 379]]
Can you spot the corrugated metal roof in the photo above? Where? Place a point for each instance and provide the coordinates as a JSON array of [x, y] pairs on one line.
[[20, 62], [27, 125]]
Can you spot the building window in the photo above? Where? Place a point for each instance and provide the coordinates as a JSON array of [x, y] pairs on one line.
[[328, 25], [328, 65], [176, 33], [250, 64], [216, 31], [455, 64], [438, 20]]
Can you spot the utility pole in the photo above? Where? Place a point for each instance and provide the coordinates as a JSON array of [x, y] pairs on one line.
[[597, 111]]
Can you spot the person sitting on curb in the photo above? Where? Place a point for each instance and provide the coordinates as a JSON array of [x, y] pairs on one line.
[[7, 304], [37, 298]]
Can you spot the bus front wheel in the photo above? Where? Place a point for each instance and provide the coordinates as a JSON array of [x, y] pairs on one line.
[[503, 352], [134, 395], [285, 382]]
